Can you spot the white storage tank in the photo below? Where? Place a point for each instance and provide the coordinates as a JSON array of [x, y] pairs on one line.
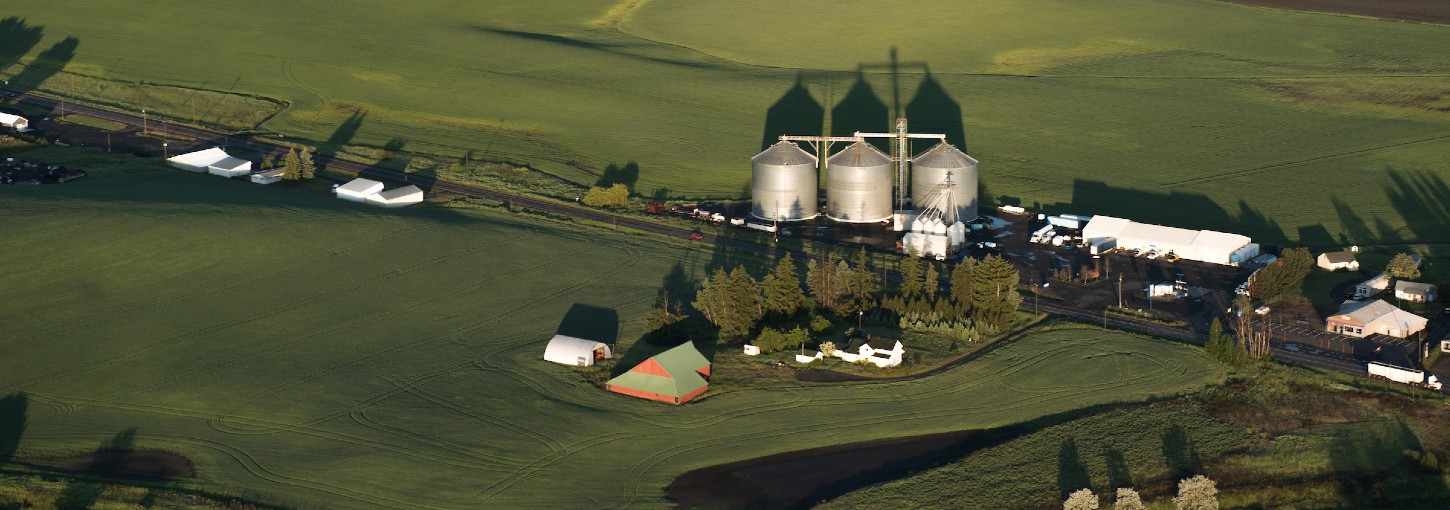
[[858, 184], [932, 167], [783, 183]]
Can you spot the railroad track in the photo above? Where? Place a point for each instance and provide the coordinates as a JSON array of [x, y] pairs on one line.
[[271, 148]]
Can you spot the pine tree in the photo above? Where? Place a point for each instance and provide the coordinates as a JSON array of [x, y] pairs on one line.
[[291, 166], [994, 296], [306, 169], [961, 287], [933, 282], [782, 289], [911, 284], [821, 280], [730, 301]]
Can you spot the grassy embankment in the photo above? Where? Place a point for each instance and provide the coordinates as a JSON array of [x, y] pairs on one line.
[[1144, 103], [308, 351]]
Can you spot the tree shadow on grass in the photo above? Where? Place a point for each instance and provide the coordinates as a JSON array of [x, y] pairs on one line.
[[626, 174], [1071, 473], [1118, 473], [1378, 466], [111, 457], [16, 39], [1179, 454], [46, 64], [12, 423]]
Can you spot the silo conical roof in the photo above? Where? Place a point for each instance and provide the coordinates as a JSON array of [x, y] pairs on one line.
[[784, 153], [860, 154], [943, 155]]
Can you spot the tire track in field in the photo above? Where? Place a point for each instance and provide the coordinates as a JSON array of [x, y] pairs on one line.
[[73, 403], [1337, 155], [336, 329], [234, 322], [184, 295], [54, 232], [223, 415], [153, 253]]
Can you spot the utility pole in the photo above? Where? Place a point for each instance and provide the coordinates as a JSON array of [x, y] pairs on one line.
[[108, 141], [143, 121], [1120, 291]]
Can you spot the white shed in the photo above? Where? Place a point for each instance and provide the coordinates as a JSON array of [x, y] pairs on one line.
[[15, 122], [230, 167], [397, 197], [268, 176], [358, 190], [199, 161], [568, 350]]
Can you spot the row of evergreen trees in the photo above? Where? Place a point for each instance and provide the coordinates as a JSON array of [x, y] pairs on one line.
[[983, 293], [298, 166]]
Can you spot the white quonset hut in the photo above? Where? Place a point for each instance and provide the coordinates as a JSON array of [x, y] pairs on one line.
[[358, 190], [568, 350], [397, 197], [213, 160], [268, 176], [16, 122], [1200, 245]]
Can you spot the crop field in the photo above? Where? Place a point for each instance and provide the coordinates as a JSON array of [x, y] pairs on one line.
[[312, 352], [1288, 126]]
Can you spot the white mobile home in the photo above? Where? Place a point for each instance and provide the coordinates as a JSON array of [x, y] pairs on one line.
[[358, 190], [268, 176]]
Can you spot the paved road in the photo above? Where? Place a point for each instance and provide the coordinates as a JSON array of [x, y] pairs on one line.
[[1295, 353]]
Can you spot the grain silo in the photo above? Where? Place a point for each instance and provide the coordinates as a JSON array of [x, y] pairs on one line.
[[783, 183], [858, 184], [932, 167]]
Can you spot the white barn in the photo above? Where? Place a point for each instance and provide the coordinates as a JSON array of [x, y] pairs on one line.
[[268, 176], [568, 350], [213, 160], [16, 122], [1200, 245], [397, 197], [358, 190], [1336, 260]]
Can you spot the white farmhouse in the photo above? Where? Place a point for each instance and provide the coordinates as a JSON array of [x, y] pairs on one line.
[[884, 358], [1336, 260], [358, 190], [1415, 292]]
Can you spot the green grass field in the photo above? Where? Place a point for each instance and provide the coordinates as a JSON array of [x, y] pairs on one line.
[[313, 352], [1283, 125]]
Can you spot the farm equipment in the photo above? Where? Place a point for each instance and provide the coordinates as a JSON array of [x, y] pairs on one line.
[[1403, 375]]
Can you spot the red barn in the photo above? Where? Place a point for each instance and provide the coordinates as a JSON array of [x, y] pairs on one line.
[[674, 376]]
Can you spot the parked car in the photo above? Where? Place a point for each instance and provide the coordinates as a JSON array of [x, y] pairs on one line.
[[697, 236]]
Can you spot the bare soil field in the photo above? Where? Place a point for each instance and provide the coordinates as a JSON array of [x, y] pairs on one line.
[[1408, 10]]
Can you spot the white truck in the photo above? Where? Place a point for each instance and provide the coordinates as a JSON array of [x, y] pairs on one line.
[[1403, 375]]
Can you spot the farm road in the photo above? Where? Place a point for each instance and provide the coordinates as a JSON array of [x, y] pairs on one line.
[[1309, 357]]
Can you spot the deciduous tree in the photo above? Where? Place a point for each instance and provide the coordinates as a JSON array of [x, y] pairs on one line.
[[1081, 499], [1197, 493], [1403, 267], [1128, 499], [1291, 268]]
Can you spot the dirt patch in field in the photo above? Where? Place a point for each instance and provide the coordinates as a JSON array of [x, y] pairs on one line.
[[151, 465], [1409, 10]]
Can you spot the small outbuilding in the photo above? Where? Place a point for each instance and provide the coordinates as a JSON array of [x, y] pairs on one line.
[[397, 197], [1365, 318], [1375, 285], [568, 350], [674, 376], [1415, 291], [268, 176], [358, 190], [230, 167], [1336, 260], [809, 356], [16, 122]]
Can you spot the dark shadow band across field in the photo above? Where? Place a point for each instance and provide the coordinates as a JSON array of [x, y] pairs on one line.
[[1408, 10]]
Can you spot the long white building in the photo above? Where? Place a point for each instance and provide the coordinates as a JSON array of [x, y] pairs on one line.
[[1200, 245]]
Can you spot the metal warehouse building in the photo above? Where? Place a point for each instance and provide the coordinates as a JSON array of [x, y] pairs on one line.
[[1200, 245]]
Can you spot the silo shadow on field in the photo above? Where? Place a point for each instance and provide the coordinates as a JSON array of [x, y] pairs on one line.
[[861, 109], [933, 110], [795, 113]]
